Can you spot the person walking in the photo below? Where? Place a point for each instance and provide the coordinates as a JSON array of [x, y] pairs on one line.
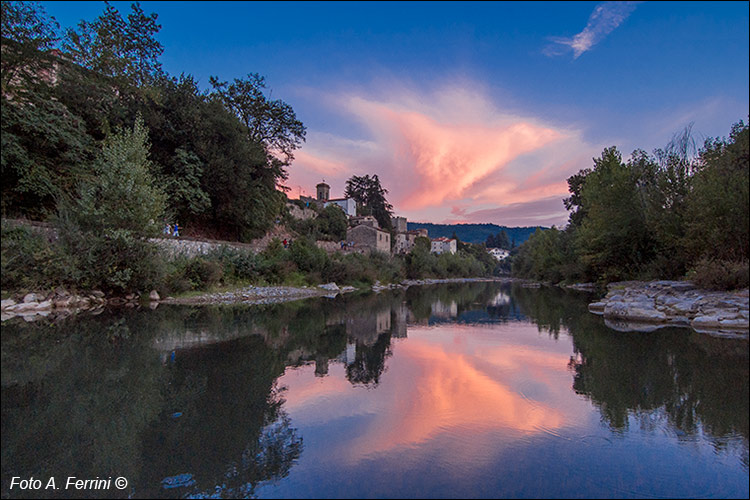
[[168, 229], [176, 230]]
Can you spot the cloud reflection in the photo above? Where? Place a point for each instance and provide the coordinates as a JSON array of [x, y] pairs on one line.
[[437, 386]]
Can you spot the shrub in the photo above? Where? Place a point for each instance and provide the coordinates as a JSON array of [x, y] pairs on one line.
[[203, 273], [720, 274], [28, 260]]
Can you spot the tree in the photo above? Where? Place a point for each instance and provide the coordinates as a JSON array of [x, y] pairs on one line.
[[125, 50], [717, 207], [28, 35], [613, 239], [332, 223], [370, 198], [272, 123], [122, 193]]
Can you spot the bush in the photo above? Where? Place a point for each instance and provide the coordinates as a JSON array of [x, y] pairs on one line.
[[203, 273], [720, 274], [115, 261], [28, 260]]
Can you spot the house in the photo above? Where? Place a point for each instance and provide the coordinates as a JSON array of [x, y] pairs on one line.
[[348, 205], [443, 244], [498, 253], [405, 241], [369, 237]]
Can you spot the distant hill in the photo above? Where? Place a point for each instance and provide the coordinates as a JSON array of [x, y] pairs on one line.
[[474, 233]]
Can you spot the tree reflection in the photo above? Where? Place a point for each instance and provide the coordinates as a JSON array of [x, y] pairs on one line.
[[697, 382]]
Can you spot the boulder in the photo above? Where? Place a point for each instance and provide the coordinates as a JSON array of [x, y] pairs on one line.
[[331, 287], [30, 297], [154, 295], [7, 303], [41, 306]]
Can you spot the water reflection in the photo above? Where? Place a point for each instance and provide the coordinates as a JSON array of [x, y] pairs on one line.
[[226, 401]]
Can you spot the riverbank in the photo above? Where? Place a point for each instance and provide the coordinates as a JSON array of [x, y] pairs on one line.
[[61, 303], [647, 306]]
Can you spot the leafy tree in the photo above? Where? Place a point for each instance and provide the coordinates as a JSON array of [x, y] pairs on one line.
[[717, 206], [272, 123], [28, 36], [45, 151], [125, 49], [370, 198], [122, 194], [613, 239], [574, 202], [332, 223]]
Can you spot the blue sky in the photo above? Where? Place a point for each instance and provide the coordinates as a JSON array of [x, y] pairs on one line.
[[468, 112]]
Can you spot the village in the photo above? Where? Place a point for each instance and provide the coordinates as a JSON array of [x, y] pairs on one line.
[[365, 235]]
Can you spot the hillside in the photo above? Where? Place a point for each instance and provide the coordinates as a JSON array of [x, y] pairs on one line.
[[474, 233]]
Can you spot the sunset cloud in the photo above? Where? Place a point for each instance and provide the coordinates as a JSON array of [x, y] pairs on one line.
[[605, 18], [441, 152]]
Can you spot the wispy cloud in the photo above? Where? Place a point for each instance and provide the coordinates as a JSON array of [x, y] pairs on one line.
[[605, 18]]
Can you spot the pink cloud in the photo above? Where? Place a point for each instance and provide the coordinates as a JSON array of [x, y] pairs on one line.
[[446, 159], [442, 152]]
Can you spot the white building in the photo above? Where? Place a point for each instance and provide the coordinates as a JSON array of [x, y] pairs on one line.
[[498, 253], [348, 205], [443, 244]]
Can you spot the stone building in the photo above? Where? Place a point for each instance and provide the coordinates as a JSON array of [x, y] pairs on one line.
[[443, 244], [399, 224], [404, 242], [370, 238], [364, 220]]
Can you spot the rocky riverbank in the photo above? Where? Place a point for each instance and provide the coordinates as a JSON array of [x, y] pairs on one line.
[[647, 306], [60, 303]]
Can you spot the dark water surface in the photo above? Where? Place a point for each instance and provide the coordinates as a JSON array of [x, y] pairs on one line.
[[471, 390]]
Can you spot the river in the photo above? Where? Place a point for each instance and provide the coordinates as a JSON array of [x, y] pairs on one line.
[[455, 390]]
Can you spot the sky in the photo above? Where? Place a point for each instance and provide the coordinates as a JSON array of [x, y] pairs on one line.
[[468, 112]]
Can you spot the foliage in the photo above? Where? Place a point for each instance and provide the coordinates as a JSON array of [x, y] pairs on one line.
[[28, 35], [654, 216], [715, 274], [124, 49], [718, 204], [370, 198], [122, 194], [28, 261], [272, 123], [499, 240], [45, 150]]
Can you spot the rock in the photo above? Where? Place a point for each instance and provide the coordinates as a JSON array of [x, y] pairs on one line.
[[61, 292], [5, 303], [98, 294], [734, 323], [597, 307], [706, 322], [130, 296], [333, 287], [154, 295], [47, 304], [24, 306], [30, 297]]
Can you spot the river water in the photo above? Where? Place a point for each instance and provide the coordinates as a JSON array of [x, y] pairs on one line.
[[460, 390]]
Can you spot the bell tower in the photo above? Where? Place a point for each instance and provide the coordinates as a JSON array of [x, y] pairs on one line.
[[324, 191]]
